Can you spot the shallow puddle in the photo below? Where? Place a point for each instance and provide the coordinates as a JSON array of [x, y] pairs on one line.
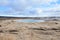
[[30, 20]]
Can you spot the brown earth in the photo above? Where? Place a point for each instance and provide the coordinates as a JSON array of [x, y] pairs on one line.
[[12, 30]]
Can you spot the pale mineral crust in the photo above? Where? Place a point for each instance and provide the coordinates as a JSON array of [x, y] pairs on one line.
[[12, 30]]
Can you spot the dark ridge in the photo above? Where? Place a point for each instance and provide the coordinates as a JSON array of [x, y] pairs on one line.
[[45, 29], [13, 30], [41, 18], [38, 29], [55, 29]]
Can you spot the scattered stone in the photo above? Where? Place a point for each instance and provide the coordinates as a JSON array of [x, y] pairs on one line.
[[0, 26], [56, 23], [1, 31]]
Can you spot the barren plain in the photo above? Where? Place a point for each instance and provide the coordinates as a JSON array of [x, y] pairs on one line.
[[12, 30]]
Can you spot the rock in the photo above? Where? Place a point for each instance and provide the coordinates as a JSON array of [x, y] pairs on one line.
[[0, 26]]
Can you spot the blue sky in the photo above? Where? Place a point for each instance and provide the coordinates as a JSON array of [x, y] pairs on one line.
[[30, 8]]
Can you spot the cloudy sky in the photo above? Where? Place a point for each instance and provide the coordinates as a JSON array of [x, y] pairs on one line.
[[30, 8]]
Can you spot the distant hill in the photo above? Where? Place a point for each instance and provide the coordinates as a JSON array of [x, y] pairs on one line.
[[41, 18]]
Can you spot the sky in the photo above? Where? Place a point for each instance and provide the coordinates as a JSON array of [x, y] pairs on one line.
[[30, 8]]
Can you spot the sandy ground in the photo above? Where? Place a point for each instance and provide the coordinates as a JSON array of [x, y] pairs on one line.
[[12, 30]]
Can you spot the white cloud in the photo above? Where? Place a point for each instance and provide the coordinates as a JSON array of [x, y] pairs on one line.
[[18, 7], [39, 11], [43, 1]]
